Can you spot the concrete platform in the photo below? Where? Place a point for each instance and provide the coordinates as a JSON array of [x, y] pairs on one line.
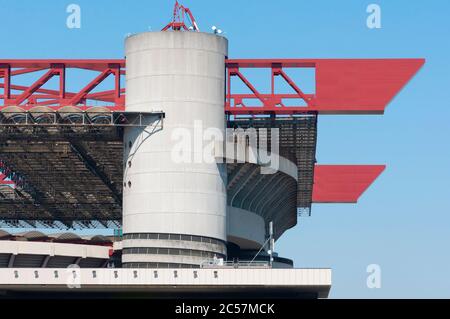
[[165, 283]]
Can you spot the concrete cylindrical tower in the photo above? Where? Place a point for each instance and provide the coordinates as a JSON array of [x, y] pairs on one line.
[[174, 213]]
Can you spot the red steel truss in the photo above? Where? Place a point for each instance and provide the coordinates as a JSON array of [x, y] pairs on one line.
[[342, 86], [34, 94]]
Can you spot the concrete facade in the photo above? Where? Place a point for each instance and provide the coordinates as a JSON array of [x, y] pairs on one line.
[[24, 254], [245, 229], [183, 75], [219, 282]]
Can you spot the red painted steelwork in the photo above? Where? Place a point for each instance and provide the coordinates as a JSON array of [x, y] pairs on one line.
[[342, 86], [180, 13], [343, 183], [3, 181], [28, 96]]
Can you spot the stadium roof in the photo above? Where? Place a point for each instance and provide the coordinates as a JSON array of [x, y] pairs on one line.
[[66, 237]]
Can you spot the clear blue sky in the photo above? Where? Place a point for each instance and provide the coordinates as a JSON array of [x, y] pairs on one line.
[[403, 222]]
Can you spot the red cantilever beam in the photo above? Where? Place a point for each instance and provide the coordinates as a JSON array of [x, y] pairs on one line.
[[362, 86], [343, 183], [343, 86]]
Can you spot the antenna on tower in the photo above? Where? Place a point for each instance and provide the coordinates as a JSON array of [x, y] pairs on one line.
[[181, 15], [216, 30]]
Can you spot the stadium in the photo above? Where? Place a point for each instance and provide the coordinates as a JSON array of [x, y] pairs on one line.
[[104, 158]]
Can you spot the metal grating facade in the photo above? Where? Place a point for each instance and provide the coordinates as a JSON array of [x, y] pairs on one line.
[[297, 142], [67, 175]]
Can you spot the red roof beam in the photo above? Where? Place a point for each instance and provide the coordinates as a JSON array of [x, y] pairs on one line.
[[33, 88], [82, 95], [107, 96], [343, 183], [343, 86]]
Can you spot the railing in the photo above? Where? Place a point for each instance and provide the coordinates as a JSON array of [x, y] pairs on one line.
[[232, 264]]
